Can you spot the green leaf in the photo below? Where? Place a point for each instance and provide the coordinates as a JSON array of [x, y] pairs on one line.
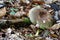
[[12, 13], [30, 35], [12, 9], [42, 27], [10, 0], [27, 20]]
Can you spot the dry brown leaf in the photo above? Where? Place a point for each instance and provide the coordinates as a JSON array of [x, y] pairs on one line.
[[55, 26]]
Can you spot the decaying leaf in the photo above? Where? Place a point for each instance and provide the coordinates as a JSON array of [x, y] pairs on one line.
[[2, 12], [54, 35], [55, 26]]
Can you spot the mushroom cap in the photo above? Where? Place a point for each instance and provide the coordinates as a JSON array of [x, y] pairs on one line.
[[41, 16], [33, 13], [36, 13]]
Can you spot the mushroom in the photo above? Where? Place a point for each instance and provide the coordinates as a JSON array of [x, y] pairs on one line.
[[40, 16]]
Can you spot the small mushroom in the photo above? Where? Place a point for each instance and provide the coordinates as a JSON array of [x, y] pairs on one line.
[[41, 16]]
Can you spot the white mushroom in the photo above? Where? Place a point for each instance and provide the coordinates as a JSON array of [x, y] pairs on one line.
[[33, 14], [40, 16]]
